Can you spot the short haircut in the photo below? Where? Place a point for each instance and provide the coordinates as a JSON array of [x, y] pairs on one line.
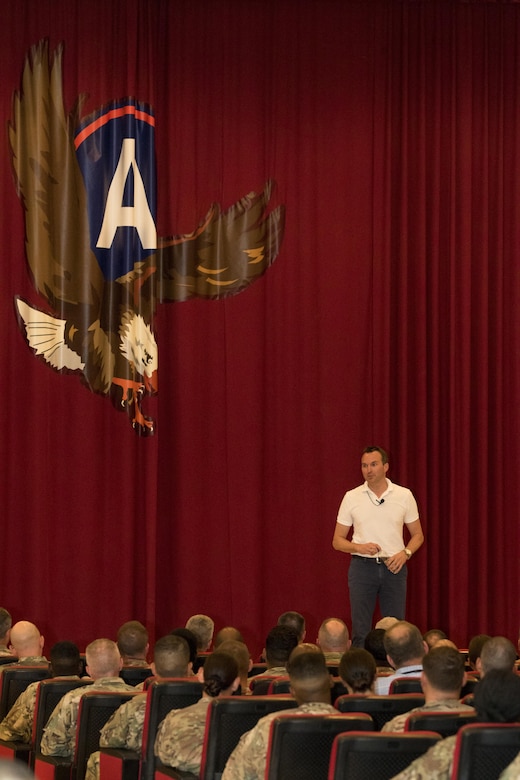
[[227, 634], [357, 669], [375, 448], [497, 653], [5, 622], [203, 627], [403, 643], [432, 636], [374, 643], [444, 668], [103, 658], [171, 655], [132, 638], [308, 674], [497, 697], [239, 651], [293, 620], [190, 638], [475, 646], [65, 659], [279, 643], [220, 671]]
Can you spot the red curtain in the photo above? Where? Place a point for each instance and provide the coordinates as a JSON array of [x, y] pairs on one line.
[[389, 317]]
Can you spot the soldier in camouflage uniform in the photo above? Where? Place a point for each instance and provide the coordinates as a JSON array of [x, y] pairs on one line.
[[27, 645], [132, 641], [125, 727], [17, 724], [279, 644], [497, 700], [310, 683], [5, 629], [442, 679], [180, 736], [103, 666]]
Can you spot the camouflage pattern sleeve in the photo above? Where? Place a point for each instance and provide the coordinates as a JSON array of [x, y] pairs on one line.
[[512, 772], [125, 727], [92, 770], [247, 761], [435, 764], [180, 737], [59, 735], [18, 723]]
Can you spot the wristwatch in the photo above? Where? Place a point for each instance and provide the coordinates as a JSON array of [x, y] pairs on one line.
[[408, 553]]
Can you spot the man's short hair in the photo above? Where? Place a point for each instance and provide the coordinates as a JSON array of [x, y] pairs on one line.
[[293, 620], [5, 622], [357, 669], [403, 643], [432, 636], [171, 655], [475, 646], [190, 638], [239, 652], [497, 697], [203, 627], [444, 668], [65, 659], [132, 639], [374, 643], [497, 653], [227, 634], [308, 674], [103, 658], [279, 643], [374, 448], [334, 637]]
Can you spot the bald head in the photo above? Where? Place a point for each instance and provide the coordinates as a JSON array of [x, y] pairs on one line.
[[26, 640], [103, 659], [333, 636]]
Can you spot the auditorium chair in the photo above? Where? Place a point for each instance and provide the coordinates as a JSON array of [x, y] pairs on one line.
[[406, 685], [446, 722], [483, 750], [95, 708], [135, 675], [14, 680], [258, 668], [380, 708], [162, 696], [300, 745], [380, 755], [279, 685], [260, 685]]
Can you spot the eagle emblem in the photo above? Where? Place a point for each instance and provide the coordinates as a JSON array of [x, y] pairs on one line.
[[91, 242]]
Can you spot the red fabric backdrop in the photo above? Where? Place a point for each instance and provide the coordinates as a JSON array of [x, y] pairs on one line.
[[390, 316]]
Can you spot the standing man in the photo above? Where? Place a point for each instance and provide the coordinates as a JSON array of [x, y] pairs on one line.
[[376, 513]]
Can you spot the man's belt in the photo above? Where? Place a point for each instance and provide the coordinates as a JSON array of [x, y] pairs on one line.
[[378, 559]]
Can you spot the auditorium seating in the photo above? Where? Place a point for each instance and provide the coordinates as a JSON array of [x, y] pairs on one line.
[[135, 675], [406, 685], [380, 708], [446, 723], [13, 681], [483, 750]]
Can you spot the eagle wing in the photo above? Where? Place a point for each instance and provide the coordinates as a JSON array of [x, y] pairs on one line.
[[49, 182], [225, 254]]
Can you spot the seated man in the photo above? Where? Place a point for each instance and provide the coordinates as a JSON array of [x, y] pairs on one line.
[[26, 645], [442, 678], [171, 658], [18, 723], [293, 620], [279, 644], [180, 736], [103, 665], [334, 639], [405, 649], [227, 634], [433, 635], [132, 641], [310, 686], [203, 627], [5, 631], [497, 700]]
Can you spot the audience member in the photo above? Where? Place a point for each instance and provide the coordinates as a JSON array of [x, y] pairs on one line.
[[227, 634], [5, 631], [374, 643], [497, 700], [475, 646], [442, 678], [432, 636], [26, 645], [293, 620], [180, 736], [279, 644], [357, 669], [334, 639], [203, 627], [405, 649], [497, 653], [103, 665], [239, 651], [386, 622], [171, 658], [132, 641], [18, 723], [310, 686], [191, 639]]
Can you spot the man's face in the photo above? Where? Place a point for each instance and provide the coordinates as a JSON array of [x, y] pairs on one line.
[[372, 467]]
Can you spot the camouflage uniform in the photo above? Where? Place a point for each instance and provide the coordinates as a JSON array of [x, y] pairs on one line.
[[180, 737], [247, 761], [59, 735], [397, 723], [4, 650], [512, 772], [29, 660], [435, 764], [18, 723], [274, 671], [123, 730]]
